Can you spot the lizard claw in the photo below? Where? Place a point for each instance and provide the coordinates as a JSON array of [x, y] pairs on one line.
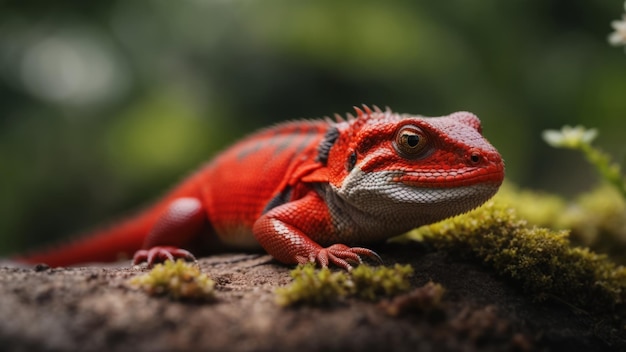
[[160, 254], [342, 255]]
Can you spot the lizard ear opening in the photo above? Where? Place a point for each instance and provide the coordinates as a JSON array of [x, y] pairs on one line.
[[351, 162], [323, 149]]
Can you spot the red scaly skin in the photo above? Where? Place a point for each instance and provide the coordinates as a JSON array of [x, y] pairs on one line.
[[306, 191]]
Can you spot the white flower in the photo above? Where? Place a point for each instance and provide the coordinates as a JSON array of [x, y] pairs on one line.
[[570, 137], [619, 36]]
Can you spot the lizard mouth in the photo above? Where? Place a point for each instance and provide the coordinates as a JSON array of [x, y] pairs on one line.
[[451, 179]]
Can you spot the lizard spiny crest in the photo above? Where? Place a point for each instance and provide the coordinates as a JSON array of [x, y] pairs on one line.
[[333, 133]]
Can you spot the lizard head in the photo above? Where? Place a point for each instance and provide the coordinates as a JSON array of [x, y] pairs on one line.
[[424, 168]]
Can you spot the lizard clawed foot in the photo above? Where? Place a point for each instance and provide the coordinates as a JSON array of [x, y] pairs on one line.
[[160, 254], [341, 256]]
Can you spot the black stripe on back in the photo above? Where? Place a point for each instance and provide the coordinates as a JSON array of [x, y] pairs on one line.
[[278, 200], [330, 137]]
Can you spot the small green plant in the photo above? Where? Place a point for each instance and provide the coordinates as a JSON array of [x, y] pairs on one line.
[[580, 138], [178, 280], [322, 286]]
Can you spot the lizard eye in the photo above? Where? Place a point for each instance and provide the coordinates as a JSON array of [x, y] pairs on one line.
[[411, 141]]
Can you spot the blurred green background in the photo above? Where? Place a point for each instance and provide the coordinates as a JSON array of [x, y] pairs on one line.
[[105, 104]]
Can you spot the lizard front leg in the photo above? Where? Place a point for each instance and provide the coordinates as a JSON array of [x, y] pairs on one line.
[[288, 233], [182, 221]]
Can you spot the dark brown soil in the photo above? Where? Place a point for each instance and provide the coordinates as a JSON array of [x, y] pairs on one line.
[[94, 308]]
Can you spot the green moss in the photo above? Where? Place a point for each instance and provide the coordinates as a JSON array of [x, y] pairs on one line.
[[312, 286], [541, 260], [597, 219], [539, 208], [177, 280], [322, 286], [371, 283]]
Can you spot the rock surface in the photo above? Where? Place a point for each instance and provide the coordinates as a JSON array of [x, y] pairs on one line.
[[94, 308]]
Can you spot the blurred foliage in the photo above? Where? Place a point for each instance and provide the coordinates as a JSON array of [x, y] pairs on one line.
[[105, 104], [580, 138]]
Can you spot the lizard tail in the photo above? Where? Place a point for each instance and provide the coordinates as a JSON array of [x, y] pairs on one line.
[[120, 241]]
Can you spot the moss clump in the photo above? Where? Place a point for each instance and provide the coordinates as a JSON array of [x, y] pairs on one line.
[[177, 280], [312, 286], [540, 259], [322, 286], [539, 208], [371, 283], [597, 219]]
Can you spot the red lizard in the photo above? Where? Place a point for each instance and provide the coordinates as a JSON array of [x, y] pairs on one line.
[[305, 190]]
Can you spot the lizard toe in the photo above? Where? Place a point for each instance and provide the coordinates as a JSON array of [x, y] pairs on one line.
[[160, 254], [343, 256], [367, 253]]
